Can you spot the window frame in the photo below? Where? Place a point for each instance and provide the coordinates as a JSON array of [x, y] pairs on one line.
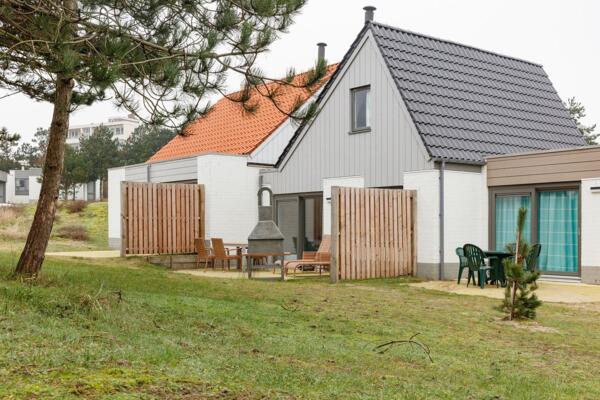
[[532, 190], [353, 92], [18, 190]]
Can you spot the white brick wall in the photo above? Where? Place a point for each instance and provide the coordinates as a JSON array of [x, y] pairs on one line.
[[231, 189], [465, 212], [426, 183], [115, 177], [590, 224], [466, 218]]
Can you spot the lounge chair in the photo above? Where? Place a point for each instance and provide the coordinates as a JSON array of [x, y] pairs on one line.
[[320, 259]]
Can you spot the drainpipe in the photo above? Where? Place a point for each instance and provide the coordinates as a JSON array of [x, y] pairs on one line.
[[442, 183]]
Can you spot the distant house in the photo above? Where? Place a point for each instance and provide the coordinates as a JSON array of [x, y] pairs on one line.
[[23, 186], [405, 110], [121, 128], [223, 150]]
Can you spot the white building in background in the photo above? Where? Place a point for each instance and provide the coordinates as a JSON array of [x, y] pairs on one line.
[[23, 186], [121, 127]]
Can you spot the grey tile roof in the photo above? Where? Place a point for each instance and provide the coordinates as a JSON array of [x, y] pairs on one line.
[[469, 103]]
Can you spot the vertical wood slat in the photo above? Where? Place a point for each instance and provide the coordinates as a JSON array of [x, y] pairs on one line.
[[373, 233], [161, 218]]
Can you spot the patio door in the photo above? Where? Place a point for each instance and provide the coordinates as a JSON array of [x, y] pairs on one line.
[[2, 192], [507, 208], [558, 231]]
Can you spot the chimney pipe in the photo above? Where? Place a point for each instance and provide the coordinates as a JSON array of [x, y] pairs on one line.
[[321, 47], [369, 13]]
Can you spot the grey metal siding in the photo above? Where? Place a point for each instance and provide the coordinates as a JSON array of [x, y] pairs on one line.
[[185, 169], [327, 150]]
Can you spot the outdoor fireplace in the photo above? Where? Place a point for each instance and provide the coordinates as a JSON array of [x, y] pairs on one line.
[[266, 236]]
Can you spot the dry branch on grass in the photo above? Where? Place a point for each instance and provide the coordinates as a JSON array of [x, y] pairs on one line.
[[382, 348]]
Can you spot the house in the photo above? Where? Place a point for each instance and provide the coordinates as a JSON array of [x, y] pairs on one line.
[[405, 110], [121, 128], [23, 186], [224, 151]]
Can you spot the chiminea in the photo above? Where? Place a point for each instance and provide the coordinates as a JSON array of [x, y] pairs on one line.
[[266, 236]]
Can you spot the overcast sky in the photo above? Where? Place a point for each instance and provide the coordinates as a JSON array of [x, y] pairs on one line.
[[563, 36]]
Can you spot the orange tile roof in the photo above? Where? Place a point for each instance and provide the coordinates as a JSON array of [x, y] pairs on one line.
[[228, 129]]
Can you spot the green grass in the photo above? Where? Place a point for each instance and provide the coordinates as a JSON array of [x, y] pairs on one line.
[[123, 330], [94, 218]]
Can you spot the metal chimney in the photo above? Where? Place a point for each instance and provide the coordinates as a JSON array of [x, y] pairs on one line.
[[369, 13], [321, 47]]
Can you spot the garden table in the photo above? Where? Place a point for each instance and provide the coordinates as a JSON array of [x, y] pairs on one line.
[[251, 257], [496, 261]]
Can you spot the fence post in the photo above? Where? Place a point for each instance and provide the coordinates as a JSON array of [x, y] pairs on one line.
[[335, 232], [124, 221], [414, 225]]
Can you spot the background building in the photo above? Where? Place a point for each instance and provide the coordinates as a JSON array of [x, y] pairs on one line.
[[121, 127]]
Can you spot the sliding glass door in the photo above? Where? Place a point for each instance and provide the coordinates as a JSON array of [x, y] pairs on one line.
[[552, 221], [558, 231], [507, 208]]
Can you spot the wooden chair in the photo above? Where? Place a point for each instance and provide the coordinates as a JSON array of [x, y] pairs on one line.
[[320, 259], [203, 255], [222, 254]]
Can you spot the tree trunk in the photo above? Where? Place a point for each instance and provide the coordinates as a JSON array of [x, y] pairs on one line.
[[32, 256]]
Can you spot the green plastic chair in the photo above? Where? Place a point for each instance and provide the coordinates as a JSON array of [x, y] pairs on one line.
[[531, 261], [462, 264], [476, 263]]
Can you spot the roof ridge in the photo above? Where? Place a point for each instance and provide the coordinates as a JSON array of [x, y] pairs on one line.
[[456, 43], [277, 80]]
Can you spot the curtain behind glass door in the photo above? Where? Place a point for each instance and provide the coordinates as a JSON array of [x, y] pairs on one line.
[[558, 227], [507, 208]]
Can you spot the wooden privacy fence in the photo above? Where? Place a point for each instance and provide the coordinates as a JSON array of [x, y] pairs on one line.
[[373, 233], [161, 218]]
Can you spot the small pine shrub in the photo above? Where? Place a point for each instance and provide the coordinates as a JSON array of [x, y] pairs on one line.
[[76, 206]]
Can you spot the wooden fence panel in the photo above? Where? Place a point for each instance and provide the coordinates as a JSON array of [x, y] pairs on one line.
[[161, 218], [373, 233]]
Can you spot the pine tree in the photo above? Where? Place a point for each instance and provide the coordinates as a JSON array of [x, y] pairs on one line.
[[144, 142], [8, 142], [577, 111], [520, 301], [158, 59]]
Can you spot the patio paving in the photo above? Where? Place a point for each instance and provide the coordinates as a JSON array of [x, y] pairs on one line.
[[552, 292], [242, 275]]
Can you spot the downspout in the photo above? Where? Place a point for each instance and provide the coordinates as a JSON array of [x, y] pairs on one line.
[[441, 216]]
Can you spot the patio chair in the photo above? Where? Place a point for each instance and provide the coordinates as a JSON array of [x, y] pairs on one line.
[[220, 253], [476, 263], [462, 264], [532, 258], [320, 259], [203, 254]]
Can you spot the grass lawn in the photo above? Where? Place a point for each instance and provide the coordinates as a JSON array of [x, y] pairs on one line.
[[123, 330], [93, 220]]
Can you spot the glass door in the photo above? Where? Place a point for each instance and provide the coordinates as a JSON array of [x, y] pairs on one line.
[[558, 231], [507, 208], [312, 223]]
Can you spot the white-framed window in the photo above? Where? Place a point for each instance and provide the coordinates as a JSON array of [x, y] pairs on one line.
[[360, 109]]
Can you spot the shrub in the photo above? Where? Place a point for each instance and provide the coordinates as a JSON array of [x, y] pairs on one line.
[[73, 232], [75, 206], [8, 214], [520, 301]]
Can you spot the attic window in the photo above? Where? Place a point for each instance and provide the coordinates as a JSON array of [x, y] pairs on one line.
[[360, 109]]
